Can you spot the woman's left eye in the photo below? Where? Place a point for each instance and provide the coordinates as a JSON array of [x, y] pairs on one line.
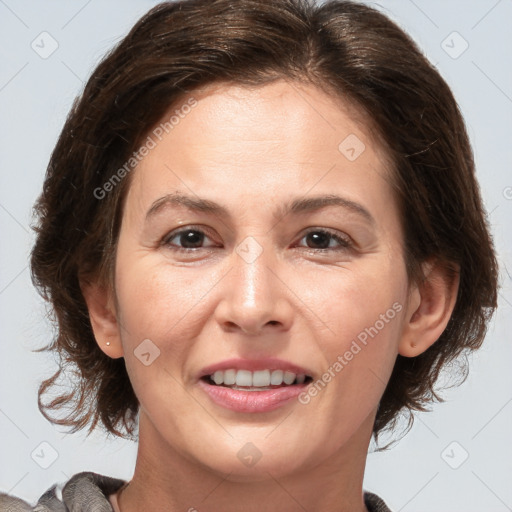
[[324, 239]]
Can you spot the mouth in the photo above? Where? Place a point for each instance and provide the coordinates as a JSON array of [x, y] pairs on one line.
[[261, 380], [247, 391]]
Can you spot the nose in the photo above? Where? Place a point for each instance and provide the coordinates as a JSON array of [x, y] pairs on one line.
[[255, 298]]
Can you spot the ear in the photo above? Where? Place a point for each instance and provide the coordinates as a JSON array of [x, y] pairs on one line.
[[430, 306], [103, 318]]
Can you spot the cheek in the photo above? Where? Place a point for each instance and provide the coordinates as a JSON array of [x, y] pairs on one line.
[[362, 300], [156, 304], [364, 315], [156, 301]]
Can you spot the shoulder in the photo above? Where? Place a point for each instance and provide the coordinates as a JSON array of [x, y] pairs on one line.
[[85, 491], [374, 503]]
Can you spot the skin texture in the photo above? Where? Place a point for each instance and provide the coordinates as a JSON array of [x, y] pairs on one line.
[[302, 299]]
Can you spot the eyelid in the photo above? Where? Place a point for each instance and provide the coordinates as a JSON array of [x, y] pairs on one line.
[[343, 239], [183, 229]]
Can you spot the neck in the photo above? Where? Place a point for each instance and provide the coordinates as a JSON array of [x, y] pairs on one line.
[[165, 480]]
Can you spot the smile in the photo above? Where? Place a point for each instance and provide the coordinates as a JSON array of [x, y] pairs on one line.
[[257, 380], [246, 391]]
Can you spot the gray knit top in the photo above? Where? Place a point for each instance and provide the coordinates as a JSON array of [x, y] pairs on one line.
[[89, 492]]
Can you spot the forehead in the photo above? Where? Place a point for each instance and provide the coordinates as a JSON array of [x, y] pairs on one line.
[[260, 141], [283, 111]]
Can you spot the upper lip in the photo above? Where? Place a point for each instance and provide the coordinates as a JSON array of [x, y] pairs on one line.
[[254, 365]]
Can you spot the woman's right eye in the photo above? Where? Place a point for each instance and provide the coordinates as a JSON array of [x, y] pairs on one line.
[[185, 239]]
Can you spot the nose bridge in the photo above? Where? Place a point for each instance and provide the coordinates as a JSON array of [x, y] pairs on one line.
[[255, 297], [253, 264]]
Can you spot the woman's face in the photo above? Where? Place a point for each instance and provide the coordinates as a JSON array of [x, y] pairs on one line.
[[260, 234]]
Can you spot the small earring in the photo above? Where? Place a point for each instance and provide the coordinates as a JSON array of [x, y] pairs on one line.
[[108, 343]]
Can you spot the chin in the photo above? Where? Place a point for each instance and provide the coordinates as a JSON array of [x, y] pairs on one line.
[[275, 466], [246, 461]]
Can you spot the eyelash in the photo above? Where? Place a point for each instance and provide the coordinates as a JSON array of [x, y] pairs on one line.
[[344, 243]]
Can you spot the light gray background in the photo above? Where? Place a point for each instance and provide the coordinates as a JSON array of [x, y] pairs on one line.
[[35, 96]]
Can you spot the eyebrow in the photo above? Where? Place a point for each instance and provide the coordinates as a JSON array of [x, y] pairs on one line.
[[297, 206]]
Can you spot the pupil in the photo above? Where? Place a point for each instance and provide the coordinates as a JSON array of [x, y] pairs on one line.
[[191, 238], [320, 238]]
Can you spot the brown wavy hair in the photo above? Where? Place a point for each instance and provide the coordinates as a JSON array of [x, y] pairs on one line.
[[348, 49]]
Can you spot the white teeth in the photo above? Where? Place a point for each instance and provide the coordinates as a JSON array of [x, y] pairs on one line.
[[218, 377], [289, 377], [257, 379], [244, 378], [261, 378], [276, 379], [229, 377]]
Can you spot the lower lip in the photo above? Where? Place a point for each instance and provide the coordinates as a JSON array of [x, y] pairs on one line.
[[252, 401]]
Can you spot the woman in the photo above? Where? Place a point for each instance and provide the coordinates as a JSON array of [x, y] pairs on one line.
[[262, 237]]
